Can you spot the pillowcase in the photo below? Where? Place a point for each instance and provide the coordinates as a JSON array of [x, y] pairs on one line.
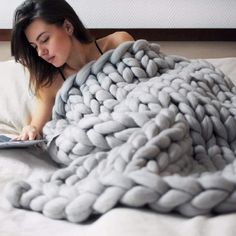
[[226, 65], [16, 99]]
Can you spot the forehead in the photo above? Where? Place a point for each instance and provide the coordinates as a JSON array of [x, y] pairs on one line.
[[37, 27]]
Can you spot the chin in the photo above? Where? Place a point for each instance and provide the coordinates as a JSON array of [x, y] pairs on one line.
[[58, 65]]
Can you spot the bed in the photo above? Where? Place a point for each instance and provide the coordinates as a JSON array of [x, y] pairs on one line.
[[33, 163]]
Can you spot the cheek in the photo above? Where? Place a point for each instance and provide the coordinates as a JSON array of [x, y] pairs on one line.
[[62, 46]]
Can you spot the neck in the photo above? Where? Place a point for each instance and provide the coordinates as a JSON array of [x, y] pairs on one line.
[[81, 54]]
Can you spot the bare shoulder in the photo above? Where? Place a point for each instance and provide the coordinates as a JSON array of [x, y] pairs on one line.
[[120, 37], [113, 40]]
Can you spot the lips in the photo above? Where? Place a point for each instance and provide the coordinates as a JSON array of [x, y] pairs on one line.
[[50, 59]]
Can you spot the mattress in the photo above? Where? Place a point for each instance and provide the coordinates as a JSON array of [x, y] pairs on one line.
[[34, 163]]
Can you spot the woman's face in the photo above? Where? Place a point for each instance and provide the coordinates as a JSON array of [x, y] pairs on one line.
[[52, 43]]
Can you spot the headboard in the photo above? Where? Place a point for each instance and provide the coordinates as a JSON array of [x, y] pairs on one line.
[[159, 34]]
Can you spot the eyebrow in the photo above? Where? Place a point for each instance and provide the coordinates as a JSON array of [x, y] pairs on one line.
[[38, 37]]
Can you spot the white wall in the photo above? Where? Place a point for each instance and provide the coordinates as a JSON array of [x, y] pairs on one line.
[[6, 13], [145, 13]]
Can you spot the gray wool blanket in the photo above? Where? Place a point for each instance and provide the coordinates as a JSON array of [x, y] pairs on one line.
[[141, 129]]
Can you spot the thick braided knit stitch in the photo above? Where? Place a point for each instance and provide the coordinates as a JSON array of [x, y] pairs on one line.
[[139, 128]]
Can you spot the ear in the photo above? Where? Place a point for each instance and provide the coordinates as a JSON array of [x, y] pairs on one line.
[[69, 28]]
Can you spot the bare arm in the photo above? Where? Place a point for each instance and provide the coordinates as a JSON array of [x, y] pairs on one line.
[[42, 112]]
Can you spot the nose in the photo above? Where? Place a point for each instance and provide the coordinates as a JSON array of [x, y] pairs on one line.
[[42, 51]]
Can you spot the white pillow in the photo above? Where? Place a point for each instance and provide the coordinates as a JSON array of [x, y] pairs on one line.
[[16, 100], [226, 65]]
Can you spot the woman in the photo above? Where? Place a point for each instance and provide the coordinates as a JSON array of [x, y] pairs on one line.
[[49, 39]]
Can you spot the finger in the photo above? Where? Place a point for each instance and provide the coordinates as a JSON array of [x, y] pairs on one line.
[[32, 135], [24, 136], [16, 138]]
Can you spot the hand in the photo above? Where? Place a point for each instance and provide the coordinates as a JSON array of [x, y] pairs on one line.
[[29, 132]]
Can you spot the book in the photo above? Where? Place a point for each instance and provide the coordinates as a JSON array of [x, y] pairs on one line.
[[7, 142]]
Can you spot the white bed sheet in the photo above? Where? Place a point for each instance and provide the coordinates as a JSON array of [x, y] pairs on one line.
[[33, 163]]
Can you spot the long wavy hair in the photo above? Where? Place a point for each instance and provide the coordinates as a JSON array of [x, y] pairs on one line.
[[52, 12]]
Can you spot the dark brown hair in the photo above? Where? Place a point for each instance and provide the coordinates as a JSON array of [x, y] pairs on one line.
[[52, 12]]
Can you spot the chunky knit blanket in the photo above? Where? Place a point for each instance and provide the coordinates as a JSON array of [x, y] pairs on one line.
[[142, 129]]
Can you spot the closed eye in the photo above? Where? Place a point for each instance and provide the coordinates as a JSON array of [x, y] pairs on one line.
[[45, 40], [42, 42]]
